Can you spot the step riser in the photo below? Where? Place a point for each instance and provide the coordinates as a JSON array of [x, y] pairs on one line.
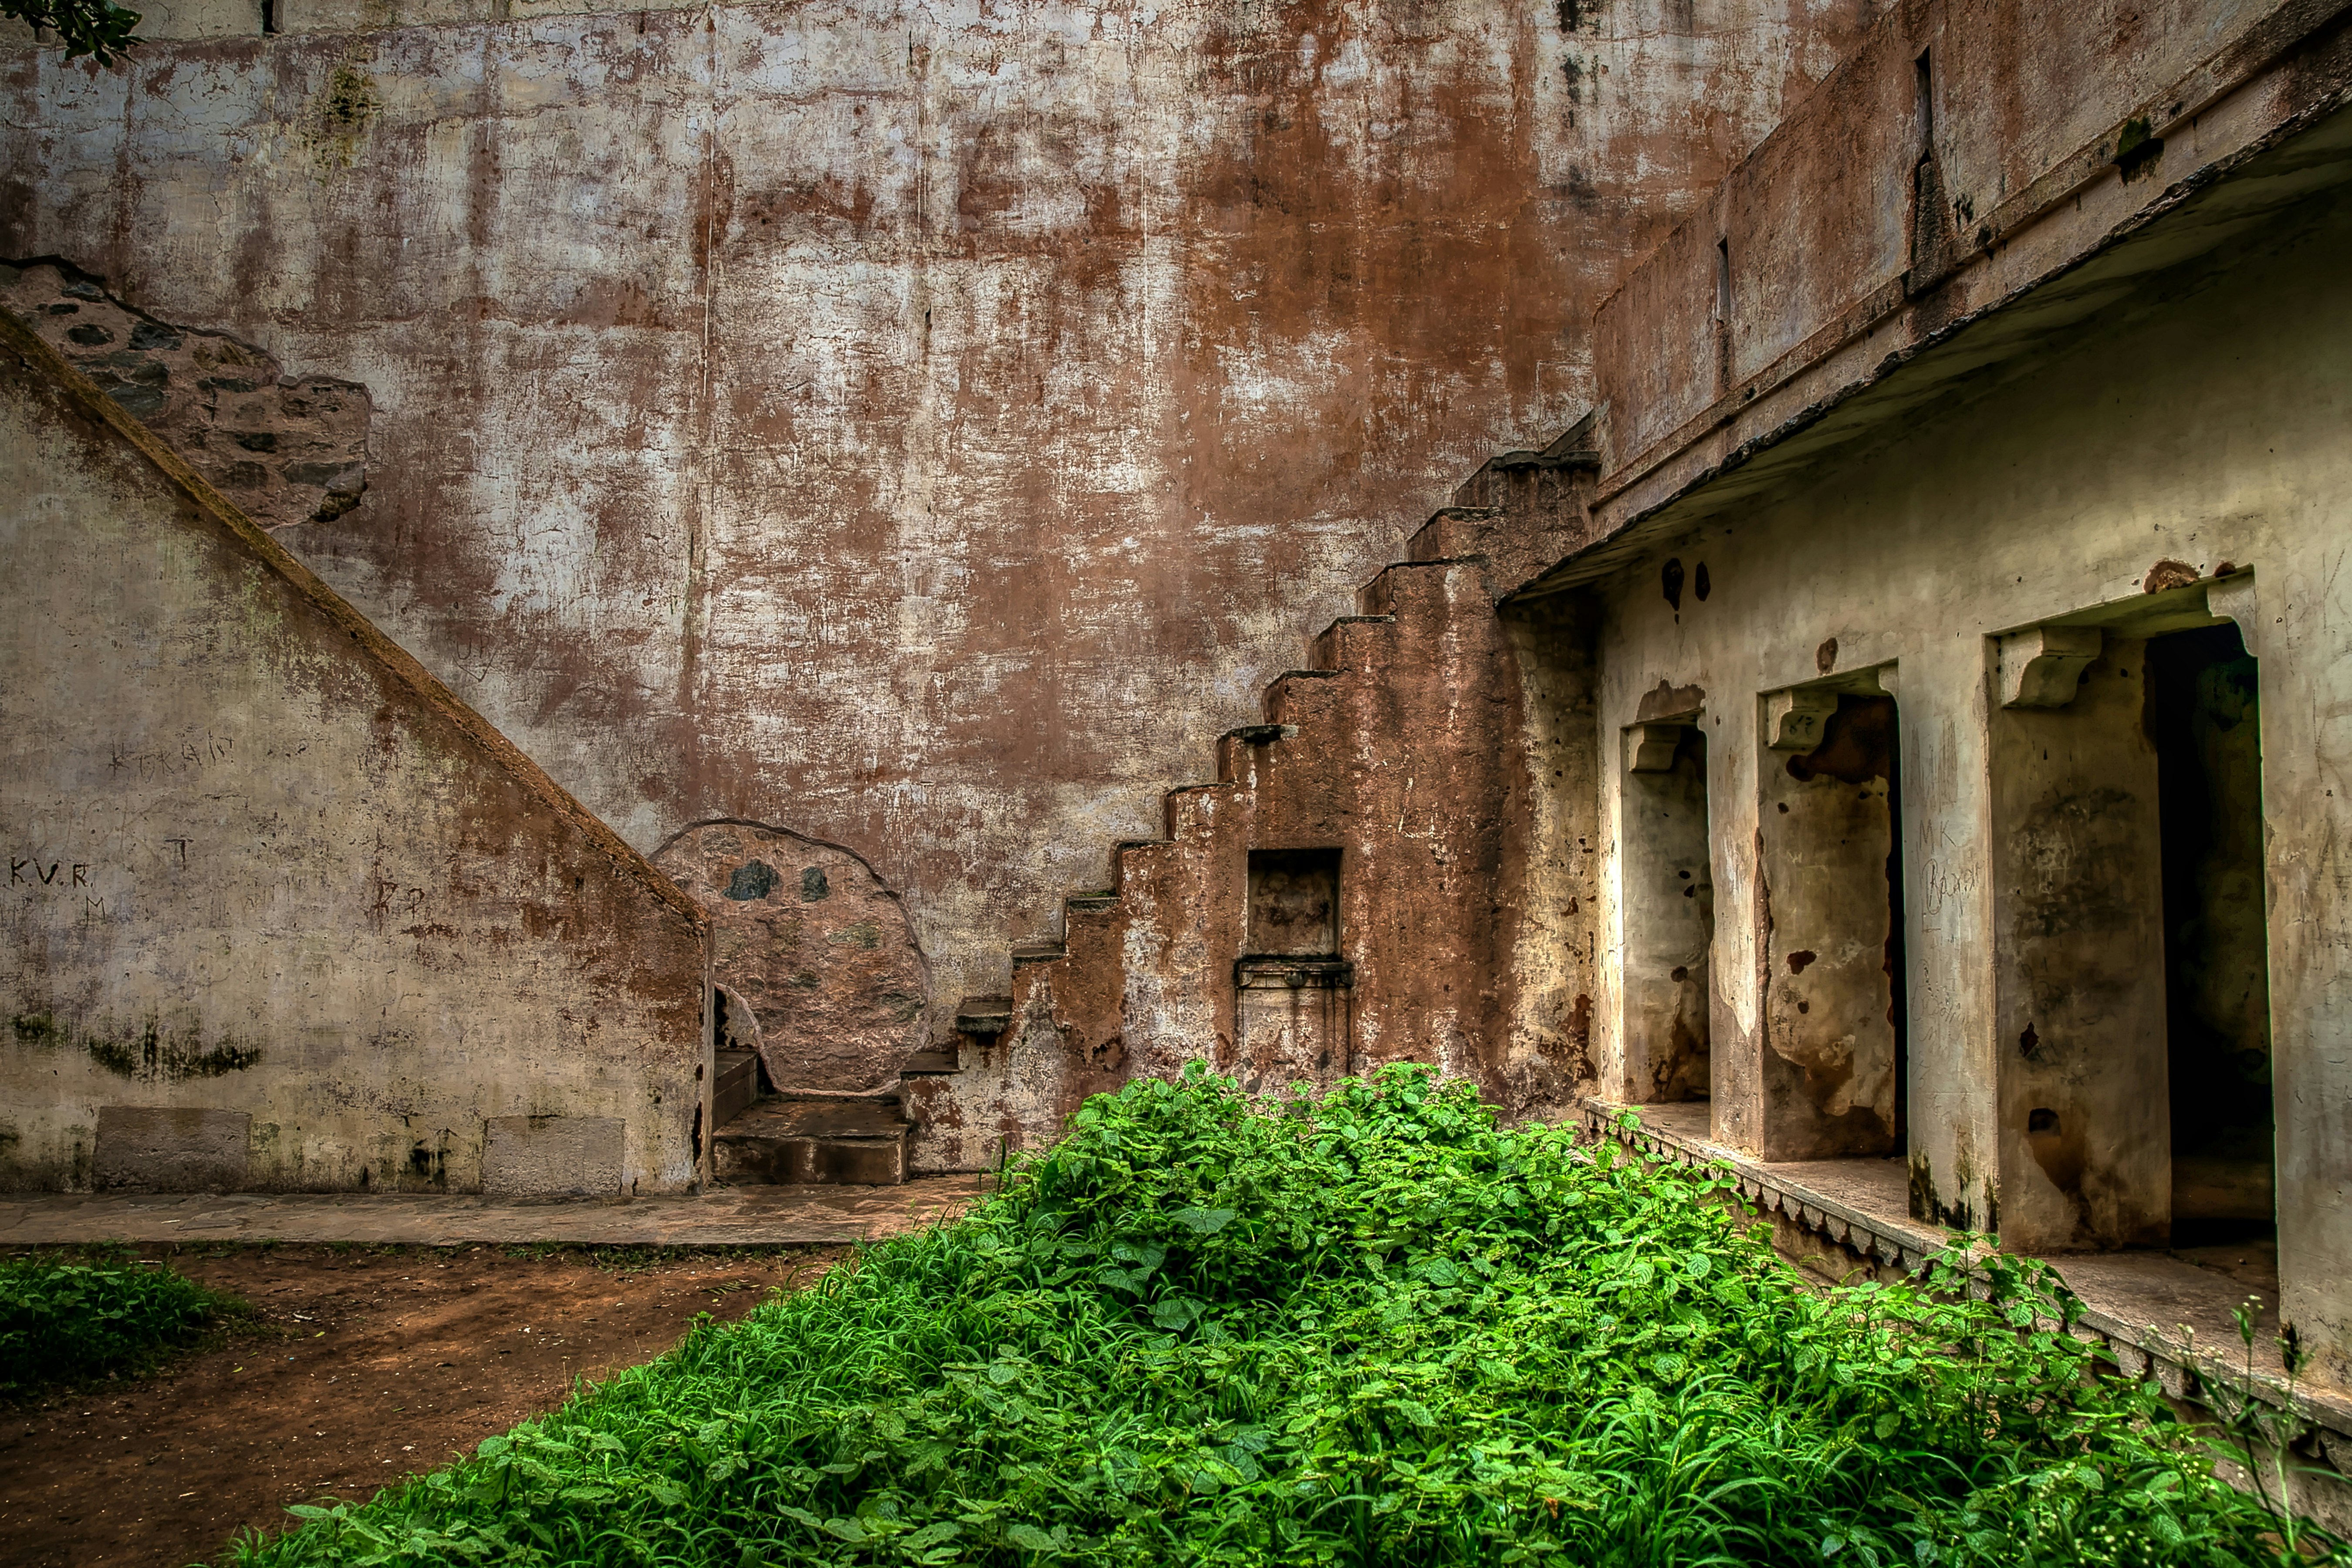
[[1350, 643], [1417, 589], [1453, 530], [732, 1095], [1185, 809], [745, 1162]]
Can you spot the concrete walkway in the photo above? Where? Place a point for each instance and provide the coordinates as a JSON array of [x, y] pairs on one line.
[[727, 1217]]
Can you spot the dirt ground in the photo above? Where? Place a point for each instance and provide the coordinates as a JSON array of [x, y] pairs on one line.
[[362, 1364]]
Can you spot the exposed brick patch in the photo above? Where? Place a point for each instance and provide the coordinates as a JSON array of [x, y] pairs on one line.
[[284, 450]]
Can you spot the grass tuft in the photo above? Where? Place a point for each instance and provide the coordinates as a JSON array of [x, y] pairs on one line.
[[1368, 1329], [65, 1322]]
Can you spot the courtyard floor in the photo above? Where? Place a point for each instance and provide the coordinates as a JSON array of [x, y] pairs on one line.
[[389, 1334]]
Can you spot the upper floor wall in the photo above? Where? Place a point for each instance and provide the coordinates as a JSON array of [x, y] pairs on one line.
[[1964, 157]]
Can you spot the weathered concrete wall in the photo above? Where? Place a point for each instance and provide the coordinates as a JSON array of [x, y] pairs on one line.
[[1964, 161], [924, 428], [282, 913], [2184, 465]]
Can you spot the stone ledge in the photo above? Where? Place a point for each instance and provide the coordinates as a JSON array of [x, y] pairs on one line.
[[2182, 1370]]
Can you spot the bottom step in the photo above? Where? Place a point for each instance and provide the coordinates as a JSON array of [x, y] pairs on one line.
[[846, 1143]]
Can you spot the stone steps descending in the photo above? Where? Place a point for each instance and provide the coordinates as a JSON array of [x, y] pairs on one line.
[[835, 1139], [1310, 774]]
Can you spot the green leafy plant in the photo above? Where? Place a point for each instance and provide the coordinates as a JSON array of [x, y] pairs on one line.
[[97, 28], [1372, 1328], [65, 1322]]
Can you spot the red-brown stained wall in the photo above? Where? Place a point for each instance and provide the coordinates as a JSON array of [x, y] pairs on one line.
[[1409, 749], [921, 430]]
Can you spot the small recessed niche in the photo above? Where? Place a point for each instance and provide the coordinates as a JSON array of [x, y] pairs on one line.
[[1294, 902]]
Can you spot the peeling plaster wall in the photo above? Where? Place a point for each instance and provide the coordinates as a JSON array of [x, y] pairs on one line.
[[2147, 458], [281, 913], [285, 451], [810, 944], [921, 428]]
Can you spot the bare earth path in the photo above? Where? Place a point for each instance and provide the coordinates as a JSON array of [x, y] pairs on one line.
[[371, 1362]]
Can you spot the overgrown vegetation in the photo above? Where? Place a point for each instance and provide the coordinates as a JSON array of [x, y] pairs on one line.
[[1373, 1329], [65, 1320], [97, 28]]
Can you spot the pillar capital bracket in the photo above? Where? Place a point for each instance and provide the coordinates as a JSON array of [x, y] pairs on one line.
[[1795, 718], [2042, 666], [1652, 745]]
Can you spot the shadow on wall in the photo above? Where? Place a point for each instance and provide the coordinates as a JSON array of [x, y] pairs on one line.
[[810, 941]]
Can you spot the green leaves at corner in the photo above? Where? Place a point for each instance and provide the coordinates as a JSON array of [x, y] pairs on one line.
[[94, 28], [1203, 1222]]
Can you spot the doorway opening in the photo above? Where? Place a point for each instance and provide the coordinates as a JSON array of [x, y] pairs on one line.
[[1669, 915], [1836, 1062], [2204, 718]]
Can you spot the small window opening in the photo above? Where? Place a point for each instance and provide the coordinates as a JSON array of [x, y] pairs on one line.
[[1722, 280], [1292, 1020], [2203, 716], [269, 18]]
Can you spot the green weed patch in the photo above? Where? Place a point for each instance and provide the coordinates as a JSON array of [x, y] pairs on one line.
[[68, 1321], [1373, 1329]]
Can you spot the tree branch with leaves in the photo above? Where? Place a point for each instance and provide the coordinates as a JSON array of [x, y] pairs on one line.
[[98, 28]]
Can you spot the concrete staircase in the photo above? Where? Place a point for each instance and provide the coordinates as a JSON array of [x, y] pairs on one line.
[[1415, 691], [1397, 744]]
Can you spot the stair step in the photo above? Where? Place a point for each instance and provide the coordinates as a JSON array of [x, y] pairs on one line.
[[1185, 807], [849, 1141], [1379, 597], [1126, 847], [1038, 952], [1279, 690], [1330, 643], [1234, 748], [734, 1085], [984, 1015], [782, 1117], [1080, 903], [935, 1064], [1447, 527]]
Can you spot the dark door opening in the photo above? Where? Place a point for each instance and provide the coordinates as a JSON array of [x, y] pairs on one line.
[[1837, 1063], [1668, 916], [2203, 717]]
